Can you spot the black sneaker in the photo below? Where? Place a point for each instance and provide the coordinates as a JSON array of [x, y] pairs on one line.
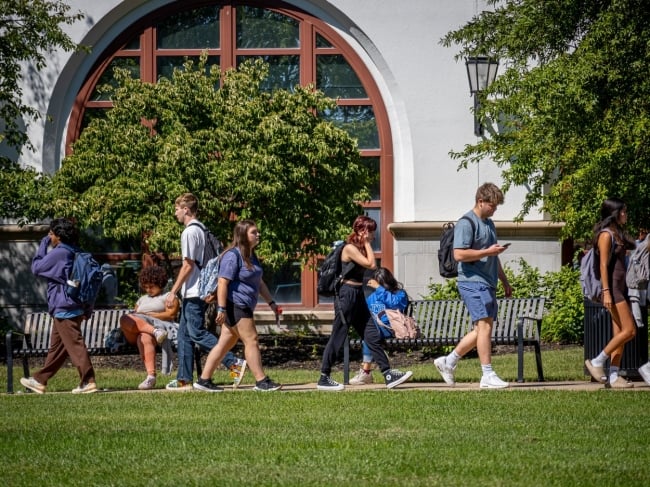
[[326, 383], [394, 377], [266, 385], [207, 385]]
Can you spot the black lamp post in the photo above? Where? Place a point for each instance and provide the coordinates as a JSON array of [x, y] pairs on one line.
[[481, 72]]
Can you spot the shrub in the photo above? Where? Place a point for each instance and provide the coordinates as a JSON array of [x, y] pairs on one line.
[[562, 322]]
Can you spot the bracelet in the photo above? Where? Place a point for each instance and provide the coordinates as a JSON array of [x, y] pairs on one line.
[[271, 303], [221, 309]]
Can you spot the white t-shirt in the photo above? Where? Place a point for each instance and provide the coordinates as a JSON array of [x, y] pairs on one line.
[[192, 244], [148, 304]]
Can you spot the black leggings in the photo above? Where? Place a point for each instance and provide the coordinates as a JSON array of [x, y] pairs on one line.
[[352, 303]]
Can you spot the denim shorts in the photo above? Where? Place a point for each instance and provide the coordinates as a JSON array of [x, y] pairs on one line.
[[480, 299]]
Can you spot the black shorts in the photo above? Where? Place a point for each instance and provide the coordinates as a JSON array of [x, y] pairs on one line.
[[235, 313]]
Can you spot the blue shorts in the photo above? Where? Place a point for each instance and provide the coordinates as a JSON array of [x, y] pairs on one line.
[[480, 299]]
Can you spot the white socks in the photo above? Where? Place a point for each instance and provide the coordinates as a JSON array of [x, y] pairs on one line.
[[487, 369], [613, 373], [600, 360], [452, 359]]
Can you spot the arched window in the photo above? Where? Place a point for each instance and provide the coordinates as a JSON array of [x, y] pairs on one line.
[[300, 49]]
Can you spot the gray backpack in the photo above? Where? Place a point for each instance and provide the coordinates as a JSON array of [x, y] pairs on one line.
[[638, 267]]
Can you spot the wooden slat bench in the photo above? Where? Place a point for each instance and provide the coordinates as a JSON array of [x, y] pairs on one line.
[[445, 322], [37, 331]]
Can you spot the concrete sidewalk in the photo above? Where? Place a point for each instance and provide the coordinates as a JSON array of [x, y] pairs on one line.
[[470, 386]]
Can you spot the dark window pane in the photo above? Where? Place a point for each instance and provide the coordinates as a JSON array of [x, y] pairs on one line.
[[259, 28], [375, 214], [337, 79], [285, 283], [133, 43], [322, 42], [91, 114], [359, 121], [193, 29], [372, 163], [165, 64], [284, 71], [130, 63]]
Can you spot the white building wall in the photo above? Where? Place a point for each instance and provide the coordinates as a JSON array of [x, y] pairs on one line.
[[425, 91]]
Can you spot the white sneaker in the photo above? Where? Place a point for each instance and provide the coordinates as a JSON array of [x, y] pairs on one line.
[[448, 373], [492, 381], [148, 383], [644, 370], [361, 379], [87, 388], [33, 385], [160, 334]]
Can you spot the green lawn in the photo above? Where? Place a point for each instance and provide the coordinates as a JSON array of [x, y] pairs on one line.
[[414, 437]]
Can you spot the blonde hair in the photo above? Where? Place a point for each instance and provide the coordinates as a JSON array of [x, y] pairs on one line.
[[189, 201]]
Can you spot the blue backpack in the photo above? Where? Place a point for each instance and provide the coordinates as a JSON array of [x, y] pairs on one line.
[[85, 279], [209, 277], [592, 288]]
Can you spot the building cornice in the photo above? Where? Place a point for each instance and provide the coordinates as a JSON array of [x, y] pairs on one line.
[[433, 229], [24, 233]]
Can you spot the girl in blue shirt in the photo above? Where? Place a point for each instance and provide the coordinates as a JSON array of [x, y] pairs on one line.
[[239, 285], [388, 294]]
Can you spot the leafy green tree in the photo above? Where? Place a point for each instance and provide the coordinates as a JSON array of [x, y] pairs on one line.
[[29, 30], [572, 104], [243, 151]]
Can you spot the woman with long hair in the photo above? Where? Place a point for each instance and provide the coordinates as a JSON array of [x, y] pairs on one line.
[[239, 285], [613, 243], [350, 307], [383, 292]]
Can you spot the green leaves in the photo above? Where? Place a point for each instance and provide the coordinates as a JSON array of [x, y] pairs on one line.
[[572, 104], [245, 153], [30, 30]]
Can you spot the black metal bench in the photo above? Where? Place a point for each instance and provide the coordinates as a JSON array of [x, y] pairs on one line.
[[445, 322], [36, 339]]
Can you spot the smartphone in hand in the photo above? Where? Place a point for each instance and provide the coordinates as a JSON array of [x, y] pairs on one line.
[[506, 245]]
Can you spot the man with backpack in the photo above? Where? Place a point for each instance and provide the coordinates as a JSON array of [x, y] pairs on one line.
[[477, 251], [54, 261], [191, 330]]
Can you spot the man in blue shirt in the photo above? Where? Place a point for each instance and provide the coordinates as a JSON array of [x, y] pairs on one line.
[[477, 252]]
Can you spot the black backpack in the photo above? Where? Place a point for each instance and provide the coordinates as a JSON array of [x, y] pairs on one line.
[[330, 273], [213, 247], [446, 262]]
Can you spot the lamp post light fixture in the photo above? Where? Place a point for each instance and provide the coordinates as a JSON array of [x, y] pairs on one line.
[[481, 72]]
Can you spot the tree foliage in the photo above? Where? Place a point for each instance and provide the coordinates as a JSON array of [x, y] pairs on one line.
[[572, 104], [244, 152], [29, 30]]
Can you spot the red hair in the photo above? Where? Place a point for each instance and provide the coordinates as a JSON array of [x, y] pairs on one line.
[[361, 224]]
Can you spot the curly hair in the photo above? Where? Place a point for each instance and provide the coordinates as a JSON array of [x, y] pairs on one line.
[[66, 230], [155, 275]]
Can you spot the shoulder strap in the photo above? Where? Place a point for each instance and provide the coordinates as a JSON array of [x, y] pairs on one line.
[[471, 222], [68, 247], [196, 223]]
